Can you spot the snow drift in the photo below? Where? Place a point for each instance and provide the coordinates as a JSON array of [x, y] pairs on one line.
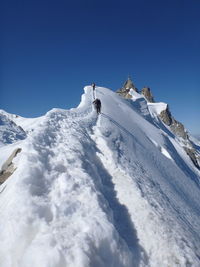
[[113, 190]]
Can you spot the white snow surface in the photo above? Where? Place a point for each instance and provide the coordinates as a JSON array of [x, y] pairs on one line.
[[27, 124], [107, 191], [156, 108], [9, 131]]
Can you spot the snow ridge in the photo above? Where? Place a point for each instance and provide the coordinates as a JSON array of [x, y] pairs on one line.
[[114, 190]]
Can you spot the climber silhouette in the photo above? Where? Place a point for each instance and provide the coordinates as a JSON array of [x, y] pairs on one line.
[[97, 104], [93, 87]]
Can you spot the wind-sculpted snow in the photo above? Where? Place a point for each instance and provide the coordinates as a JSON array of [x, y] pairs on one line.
[[60, 206], [114, 190]]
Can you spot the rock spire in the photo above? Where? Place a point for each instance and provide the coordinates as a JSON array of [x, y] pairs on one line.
[[147, 94], [127, 86]]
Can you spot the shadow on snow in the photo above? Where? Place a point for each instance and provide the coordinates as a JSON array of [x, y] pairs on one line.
[[121, 217]]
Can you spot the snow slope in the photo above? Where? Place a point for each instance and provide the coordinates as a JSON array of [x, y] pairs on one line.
[[9, 131], [114, 190], [27, 124]]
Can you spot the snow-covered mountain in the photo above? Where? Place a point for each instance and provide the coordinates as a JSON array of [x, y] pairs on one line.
[[9, 130], [26, 124], [116, 189]]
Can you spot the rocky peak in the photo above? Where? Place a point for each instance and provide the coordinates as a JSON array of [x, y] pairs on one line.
[[147, 94], [128, 85]]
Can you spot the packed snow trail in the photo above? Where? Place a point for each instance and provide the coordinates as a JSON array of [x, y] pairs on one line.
[[100, 191], [58, 214]]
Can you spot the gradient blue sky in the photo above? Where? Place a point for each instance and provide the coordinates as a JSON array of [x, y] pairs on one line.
[[51, 49]]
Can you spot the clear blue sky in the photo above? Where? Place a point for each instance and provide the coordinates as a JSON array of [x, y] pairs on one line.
[[51, 49]]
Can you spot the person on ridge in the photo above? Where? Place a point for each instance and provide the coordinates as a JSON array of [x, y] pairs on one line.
[[93, 87], [97, 104]]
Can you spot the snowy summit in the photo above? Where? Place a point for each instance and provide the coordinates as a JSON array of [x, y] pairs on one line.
[[113, 190]]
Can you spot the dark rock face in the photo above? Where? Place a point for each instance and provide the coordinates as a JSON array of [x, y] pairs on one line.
[[191, 153], [179, 130], [147, 94], [166, 116], [176, 127]]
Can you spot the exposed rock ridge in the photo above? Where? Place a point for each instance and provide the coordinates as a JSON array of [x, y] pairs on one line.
[[179, 130], [166, 117], [147, 94], [128, 85], [8, 167]]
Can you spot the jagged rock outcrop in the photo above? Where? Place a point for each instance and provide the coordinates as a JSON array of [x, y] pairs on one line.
[[179, 130], [147, 94], [191, 153], [176, 127], [128, 85], [166, 116], [8, 167]]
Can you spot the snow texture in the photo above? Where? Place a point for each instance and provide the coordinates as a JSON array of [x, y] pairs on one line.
[[107, 191], [9, 131]]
